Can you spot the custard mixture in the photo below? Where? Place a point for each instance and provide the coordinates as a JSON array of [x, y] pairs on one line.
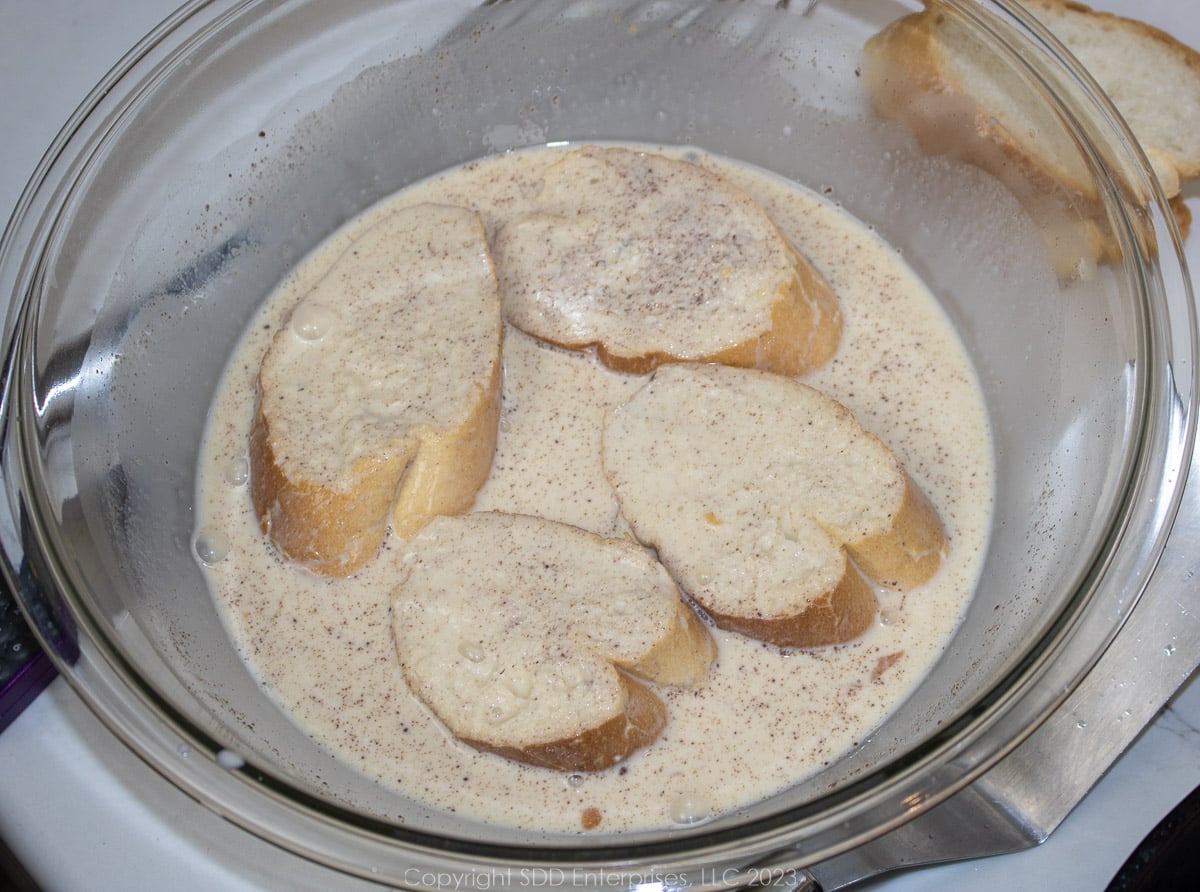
[[764, 718]]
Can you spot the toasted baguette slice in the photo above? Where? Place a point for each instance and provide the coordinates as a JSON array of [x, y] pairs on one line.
[[535, 639], [380, 395], [768, 503], [932, 73], [661, 260]]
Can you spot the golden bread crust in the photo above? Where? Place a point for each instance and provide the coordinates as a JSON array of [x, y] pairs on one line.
[[910, 551], [450, 466], [920, 70], [638, 724], [841, 613], [329, 531]]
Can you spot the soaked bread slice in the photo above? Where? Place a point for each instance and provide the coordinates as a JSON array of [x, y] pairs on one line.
[[539, 641], [768, 503], [652, 259], [378, 400]]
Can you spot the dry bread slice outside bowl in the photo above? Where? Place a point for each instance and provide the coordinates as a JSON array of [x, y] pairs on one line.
[[768, 503], [928, 70], [379, 399], [540, 641], [1152, 78]]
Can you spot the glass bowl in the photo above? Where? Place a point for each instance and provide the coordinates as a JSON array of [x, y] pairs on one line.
[[239, 135]]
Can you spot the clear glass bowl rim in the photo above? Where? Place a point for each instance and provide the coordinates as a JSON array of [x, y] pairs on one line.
[[268, 808]]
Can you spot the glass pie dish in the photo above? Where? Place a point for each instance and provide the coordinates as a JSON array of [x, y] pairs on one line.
[[238, 136]]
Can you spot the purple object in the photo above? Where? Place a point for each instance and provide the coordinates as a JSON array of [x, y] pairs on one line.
[[20, 689], [25, 669]]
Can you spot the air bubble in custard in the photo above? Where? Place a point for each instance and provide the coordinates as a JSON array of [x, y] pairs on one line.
[[311, 322], [212, 547], [237, 471], [690, 808]]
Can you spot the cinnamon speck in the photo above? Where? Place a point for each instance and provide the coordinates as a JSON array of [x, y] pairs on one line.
[[883, 664]]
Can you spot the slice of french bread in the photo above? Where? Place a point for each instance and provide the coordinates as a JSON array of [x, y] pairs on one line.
[[768, 503], [378, 399], [538, 641], [933, 72], [1152, 78], [652, 259]]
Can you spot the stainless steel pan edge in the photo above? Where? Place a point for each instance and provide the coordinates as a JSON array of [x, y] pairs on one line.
[[1024, 798]]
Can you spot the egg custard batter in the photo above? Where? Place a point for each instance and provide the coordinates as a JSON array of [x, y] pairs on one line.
[[764, 717]]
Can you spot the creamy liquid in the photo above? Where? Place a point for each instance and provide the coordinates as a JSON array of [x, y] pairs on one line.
[[764, 718]]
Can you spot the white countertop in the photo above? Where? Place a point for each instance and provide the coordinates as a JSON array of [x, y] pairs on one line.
[[82, 813]]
